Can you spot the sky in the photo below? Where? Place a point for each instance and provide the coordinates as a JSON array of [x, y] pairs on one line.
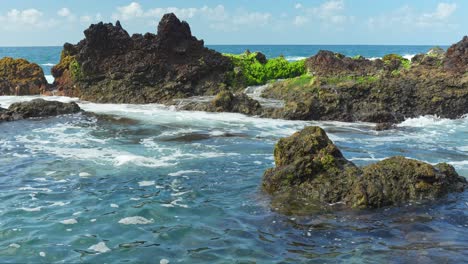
[[395, 22]]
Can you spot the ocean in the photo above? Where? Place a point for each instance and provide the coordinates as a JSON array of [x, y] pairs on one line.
[[147, 183]]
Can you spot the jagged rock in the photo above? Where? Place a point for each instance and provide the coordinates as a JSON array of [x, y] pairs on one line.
[[327, 63], [110, 66], [20, 77], [456, 58], [341, 90], [37, 108], [310, 169]]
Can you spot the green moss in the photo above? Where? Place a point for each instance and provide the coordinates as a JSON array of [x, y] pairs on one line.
[[250, 71], [405, 63], [75, 70]]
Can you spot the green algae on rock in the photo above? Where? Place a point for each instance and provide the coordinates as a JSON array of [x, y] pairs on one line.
[[20, 77], [380, 91], [311, 169]]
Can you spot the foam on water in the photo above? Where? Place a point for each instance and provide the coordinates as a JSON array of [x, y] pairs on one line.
[[135, 220], [183, 172], [100, 247], [71, 221], [295, 58], [146, 183], [50, 79], [208, 189]]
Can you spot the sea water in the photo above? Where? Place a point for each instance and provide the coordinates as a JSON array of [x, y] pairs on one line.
[[146, 183]]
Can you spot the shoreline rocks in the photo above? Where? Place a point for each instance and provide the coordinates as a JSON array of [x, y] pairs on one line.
[[20, 77], [310, 169], [381, 91], [37, 108], [110, 66]]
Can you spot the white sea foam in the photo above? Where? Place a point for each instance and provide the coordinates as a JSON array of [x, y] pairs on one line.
[[114, 205], [183, 172], [408, 56], [145, 183], [14, 245], [164, 261], [29, 188], [59, 203], [100, 247], [428, 121], [42, 254], [33, 209], [71, 221], [135, 220], [84, 174], [295, 58], [48, 64], [50, 79]]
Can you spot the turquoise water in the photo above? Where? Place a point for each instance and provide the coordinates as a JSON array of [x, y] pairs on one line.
[[149, 183], [145, 183]]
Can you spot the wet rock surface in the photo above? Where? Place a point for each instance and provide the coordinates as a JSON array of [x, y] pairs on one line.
[[227, 101], [109, 65], [347, 89], [37, 108], [310, 169], [20, 77]]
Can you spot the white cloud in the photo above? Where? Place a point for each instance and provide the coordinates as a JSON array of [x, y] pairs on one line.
[[331, 12], [443, 11], [133, 10], [406, 18], [254, 18], [300, 20], [28, 16], [217, 17], [27, 19], [64, 12], [88, 19]]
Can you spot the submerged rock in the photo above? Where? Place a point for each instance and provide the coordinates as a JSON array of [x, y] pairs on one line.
[[109, 65], [20, 77], [37, 108], [226, 101], [310, 169]]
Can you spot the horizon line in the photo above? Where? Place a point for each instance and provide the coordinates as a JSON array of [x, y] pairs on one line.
[[433, 45]]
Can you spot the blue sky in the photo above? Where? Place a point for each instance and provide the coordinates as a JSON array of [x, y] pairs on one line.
[[53, 22]]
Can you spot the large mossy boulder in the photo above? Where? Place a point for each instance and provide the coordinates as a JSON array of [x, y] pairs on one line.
[[109, 65], [311, 169], [20, 77], [37, 108]]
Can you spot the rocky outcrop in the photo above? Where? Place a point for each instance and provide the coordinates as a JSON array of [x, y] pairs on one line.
[[328, 63], [20, 77], [109, 65], [226, 101], [37, 108], [310, 169], [347, 89], [456, 58]]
